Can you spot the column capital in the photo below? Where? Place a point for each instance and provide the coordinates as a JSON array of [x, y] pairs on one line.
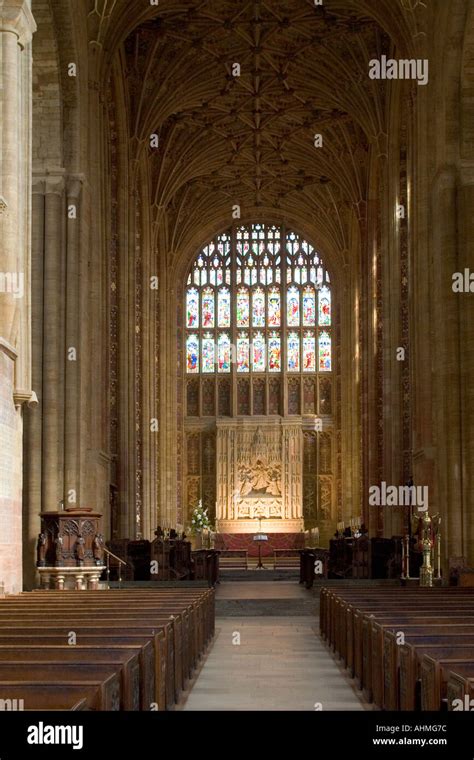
[[48, 182], [27, 397], [16, 18], [75, 183]]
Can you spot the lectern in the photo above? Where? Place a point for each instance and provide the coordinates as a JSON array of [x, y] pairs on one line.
[[260, 538]]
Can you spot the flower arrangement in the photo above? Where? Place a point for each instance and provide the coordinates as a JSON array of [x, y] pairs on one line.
[[200, 519]]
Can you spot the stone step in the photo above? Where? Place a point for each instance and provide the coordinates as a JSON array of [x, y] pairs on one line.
[[256, 576], [277, 607]]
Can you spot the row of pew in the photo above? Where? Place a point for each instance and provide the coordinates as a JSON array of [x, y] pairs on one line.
[[407, 648], [102, 650]]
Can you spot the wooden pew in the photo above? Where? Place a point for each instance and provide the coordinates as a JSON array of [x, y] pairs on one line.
[[375, 650], [137, 664], [78, 601], [202, 602], [128, 692], [330, 599], [461, 688], [183, 621], [65, 694], [110, 627], [156, 666], [368, 641], [63, 612], [194, 633], [187, 640], [434, 677], [403, 662], [361, 624]]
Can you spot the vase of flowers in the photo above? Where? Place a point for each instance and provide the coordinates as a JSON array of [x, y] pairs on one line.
[[199, 522]]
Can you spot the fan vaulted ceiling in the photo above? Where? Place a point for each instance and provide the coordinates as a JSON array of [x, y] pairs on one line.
[[245, 135]]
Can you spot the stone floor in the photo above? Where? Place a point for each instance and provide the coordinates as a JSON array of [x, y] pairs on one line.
[[250, 590], [269, 662]]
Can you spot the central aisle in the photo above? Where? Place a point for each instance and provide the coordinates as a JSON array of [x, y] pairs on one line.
[[269, 661]]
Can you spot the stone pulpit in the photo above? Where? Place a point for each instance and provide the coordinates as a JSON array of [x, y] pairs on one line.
[[70, 549]]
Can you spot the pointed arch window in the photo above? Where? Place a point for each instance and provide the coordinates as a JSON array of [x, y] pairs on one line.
[[258, 301]]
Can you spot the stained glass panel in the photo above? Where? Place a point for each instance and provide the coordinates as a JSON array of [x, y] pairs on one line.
[[243, 352], [274, 352], [223, 308], [208, 307], [258, 352], [274, 308], [324, 307], [192, 308], [242, 284], [208, 353], [293, 307], [243, 310], [309, 307], [309, 352], [324, 352], [293, 352], [192, 354], [223, 353], [258, 308]]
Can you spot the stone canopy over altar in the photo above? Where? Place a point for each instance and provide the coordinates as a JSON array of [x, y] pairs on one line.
[[259, 475]]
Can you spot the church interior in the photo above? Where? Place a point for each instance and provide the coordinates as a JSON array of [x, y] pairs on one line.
[[237, 355]]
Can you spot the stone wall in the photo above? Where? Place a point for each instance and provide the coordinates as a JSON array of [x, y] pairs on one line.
[[10, 478]]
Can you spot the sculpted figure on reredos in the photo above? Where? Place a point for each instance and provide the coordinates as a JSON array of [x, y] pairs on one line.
[[260, 479]]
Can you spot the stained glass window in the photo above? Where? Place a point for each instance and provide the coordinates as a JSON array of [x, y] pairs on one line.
[[223, 353], [324, 307], [258, 299], [223, 308], [274, 308], [243, 311], [192, 353], [274, 352], [258, 351], [243, 352], [192, 308], [293, 307], [309, 352], [309, 307], [324, 352], [208, 307], [208, 353], [258, 308], [293, 352]]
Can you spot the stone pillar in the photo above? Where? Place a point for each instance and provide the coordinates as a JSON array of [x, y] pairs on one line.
[[33, 422], [73, 357], [466, 359], [52, 402], [446, 409], [16, 28]]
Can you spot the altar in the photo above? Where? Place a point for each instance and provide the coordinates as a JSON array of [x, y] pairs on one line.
[[259, 476]]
